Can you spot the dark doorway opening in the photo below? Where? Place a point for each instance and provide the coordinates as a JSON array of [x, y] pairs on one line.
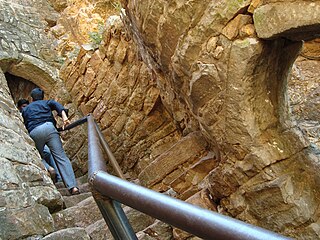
[[19, 87]]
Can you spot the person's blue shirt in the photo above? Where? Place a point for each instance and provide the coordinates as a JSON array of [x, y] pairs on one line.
[[39, 112]]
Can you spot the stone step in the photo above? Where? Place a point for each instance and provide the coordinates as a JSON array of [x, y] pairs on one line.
[[80, 181], [158, 230], [70, 201], [154, 230], [99, 230], [86, 214], [139, 222], [82, 215], [68, 233], [84, 188]]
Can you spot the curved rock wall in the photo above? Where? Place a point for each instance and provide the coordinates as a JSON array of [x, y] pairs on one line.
[[304, 89], [26, 191], [216, 74], [191, 98], [213, 77], [113, 85]]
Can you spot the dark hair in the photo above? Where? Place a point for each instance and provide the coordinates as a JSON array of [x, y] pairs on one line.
[[37, 94], [21, 102]]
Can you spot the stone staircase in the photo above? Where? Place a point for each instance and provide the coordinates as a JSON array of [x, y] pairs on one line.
[[81, 219]]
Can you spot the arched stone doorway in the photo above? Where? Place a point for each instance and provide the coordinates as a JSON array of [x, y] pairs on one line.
[[22, 76], [19, 87]]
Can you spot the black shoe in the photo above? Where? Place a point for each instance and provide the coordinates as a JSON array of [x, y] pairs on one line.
[[74, 191]]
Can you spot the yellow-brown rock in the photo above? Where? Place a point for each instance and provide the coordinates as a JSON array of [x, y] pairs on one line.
[[191, 96]]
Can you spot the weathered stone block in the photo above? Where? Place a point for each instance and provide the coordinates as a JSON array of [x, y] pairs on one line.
[[75, 233], [13, 222], [182, 151]]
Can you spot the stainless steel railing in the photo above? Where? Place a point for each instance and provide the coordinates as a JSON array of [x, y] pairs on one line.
[[109, 191]]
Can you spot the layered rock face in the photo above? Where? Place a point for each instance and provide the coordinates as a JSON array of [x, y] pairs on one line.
[[191, 96], [26, 191], [211, 75], [304, 89], [26, 59], [217, 74]]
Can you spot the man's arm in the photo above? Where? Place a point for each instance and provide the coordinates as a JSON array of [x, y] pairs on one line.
[[65, 119], [62, 112]]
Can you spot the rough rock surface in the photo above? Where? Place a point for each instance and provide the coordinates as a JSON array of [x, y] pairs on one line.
[[26, 190], [217, 75], [27, 193], [192, 97], [304, 90]]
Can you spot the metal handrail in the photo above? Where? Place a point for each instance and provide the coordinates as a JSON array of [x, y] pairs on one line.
[[74, 124], [104, 143], [107, 149], [190, 218]]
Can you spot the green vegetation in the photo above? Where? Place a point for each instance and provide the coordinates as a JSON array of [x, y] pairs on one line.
[[116, 5], [96, 36], [60, 60]]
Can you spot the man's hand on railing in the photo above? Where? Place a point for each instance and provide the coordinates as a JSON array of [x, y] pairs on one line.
[[65, 119], [67, 125]]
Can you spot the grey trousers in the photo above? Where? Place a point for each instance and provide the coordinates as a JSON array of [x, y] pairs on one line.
[[47, 134], [49, 162]]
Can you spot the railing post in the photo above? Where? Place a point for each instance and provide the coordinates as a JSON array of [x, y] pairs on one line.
[[115, 218], [110, 209]]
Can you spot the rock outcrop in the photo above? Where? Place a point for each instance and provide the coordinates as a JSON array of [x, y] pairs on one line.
[[28, 195], [26, 191], [223, 70], [304, 88], [216, 76], [191, 96]]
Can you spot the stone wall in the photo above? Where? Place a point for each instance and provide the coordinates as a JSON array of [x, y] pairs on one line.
[[26, 191], [224, 91], [304, 89], [191, 97], [218, 74], [116, 86], [28, 59]]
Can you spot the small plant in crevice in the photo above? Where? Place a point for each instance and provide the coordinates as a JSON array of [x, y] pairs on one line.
[[96, 36], [117, 5]]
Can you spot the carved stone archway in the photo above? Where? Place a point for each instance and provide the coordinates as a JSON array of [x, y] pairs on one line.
[[35, 72]]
